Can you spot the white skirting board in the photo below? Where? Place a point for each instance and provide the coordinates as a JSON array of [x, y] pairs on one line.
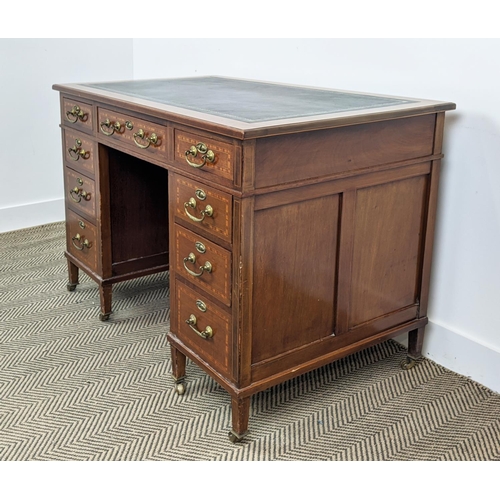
[[461, 354], [34, 214]]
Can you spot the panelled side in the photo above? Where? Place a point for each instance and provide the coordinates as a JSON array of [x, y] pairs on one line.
[[338, 261]]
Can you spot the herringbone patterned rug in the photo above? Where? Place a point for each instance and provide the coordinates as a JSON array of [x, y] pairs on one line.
[[75, 388]]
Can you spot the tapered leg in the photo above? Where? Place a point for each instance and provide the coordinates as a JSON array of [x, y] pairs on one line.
[[178, 363], [105, 291], [178, 369], [73, 276], [415, 343], [240, 413]]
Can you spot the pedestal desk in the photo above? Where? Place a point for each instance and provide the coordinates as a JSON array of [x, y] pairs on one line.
[[297, 222]]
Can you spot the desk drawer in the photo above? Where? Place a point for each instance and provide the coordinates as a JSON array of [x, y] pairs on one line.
[[146, 137], [296, 157], [81, 239], [80, 152], [203, 263], [202, 326], [77, 114], [193, 202], [80, 193], [207, 157]]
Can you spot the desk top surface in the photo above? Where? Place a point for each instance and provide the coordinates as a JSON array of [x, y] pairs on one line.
[[248, 105]]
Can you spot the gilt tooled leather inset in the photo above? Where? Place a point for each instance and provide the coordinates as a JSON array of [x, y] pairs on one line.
[[246, 101]]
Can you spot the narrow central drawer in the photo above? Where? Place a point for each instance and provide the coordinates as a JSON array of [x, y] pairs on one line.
[[141, 135], [203, 263]]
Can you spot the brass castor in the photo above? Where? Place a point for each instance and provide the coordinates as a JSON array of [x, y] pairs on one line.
[[180, 389], [104, 317], [408, 363], [236, 438], [71, 287]]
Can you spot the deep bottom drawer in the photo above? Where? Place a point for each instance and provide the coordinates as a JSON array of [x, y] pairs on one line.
[[81, 239], [203, 327]]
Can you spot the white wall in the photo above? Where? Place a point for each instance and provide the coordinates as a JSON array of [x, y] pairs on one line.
[[464, 333], [31, 176]]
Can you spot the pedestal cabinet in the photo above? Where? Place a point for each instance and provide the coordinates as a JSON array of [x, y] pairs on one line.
[[297, 223]]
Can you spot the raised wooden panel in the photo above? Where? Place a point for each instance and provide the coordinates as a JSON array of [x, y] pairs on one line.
[[295, 157], [295, 259], [386, 262]]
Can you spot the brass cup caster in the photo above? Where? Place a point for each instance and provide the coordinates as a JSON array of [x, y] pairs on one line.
[[104, 317], [408, 363], [180, 389], [235, 437], [71, 287]]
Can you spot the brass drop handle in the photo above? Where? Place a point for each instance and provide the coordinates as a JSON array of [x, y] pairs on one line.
[[109, 128], [207, 267], [76, 152], [75, 114], [83, 243], [208, 156], [208, 211], [151, 139], [208, 333], [77, 194]]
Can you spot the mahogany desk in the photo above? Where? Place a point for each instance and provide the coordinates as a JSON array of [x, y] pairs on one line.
[[297, 223]]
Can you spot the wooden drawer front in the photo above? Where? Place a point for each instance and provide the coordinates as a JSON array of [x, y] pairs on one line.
[[81, 239], [80, 192], [194, 200], [224, 155], [207, 319], [191, 252], [146, 137], [77, 114], [80, 153], [296, 157]]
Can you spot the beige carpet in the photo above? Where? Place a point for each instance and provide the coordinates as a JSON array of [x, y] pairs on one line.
[[75, 388]]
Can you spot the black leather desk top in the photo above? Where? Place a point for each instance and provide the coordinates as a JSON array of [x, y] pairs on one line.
[[246, 101]]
